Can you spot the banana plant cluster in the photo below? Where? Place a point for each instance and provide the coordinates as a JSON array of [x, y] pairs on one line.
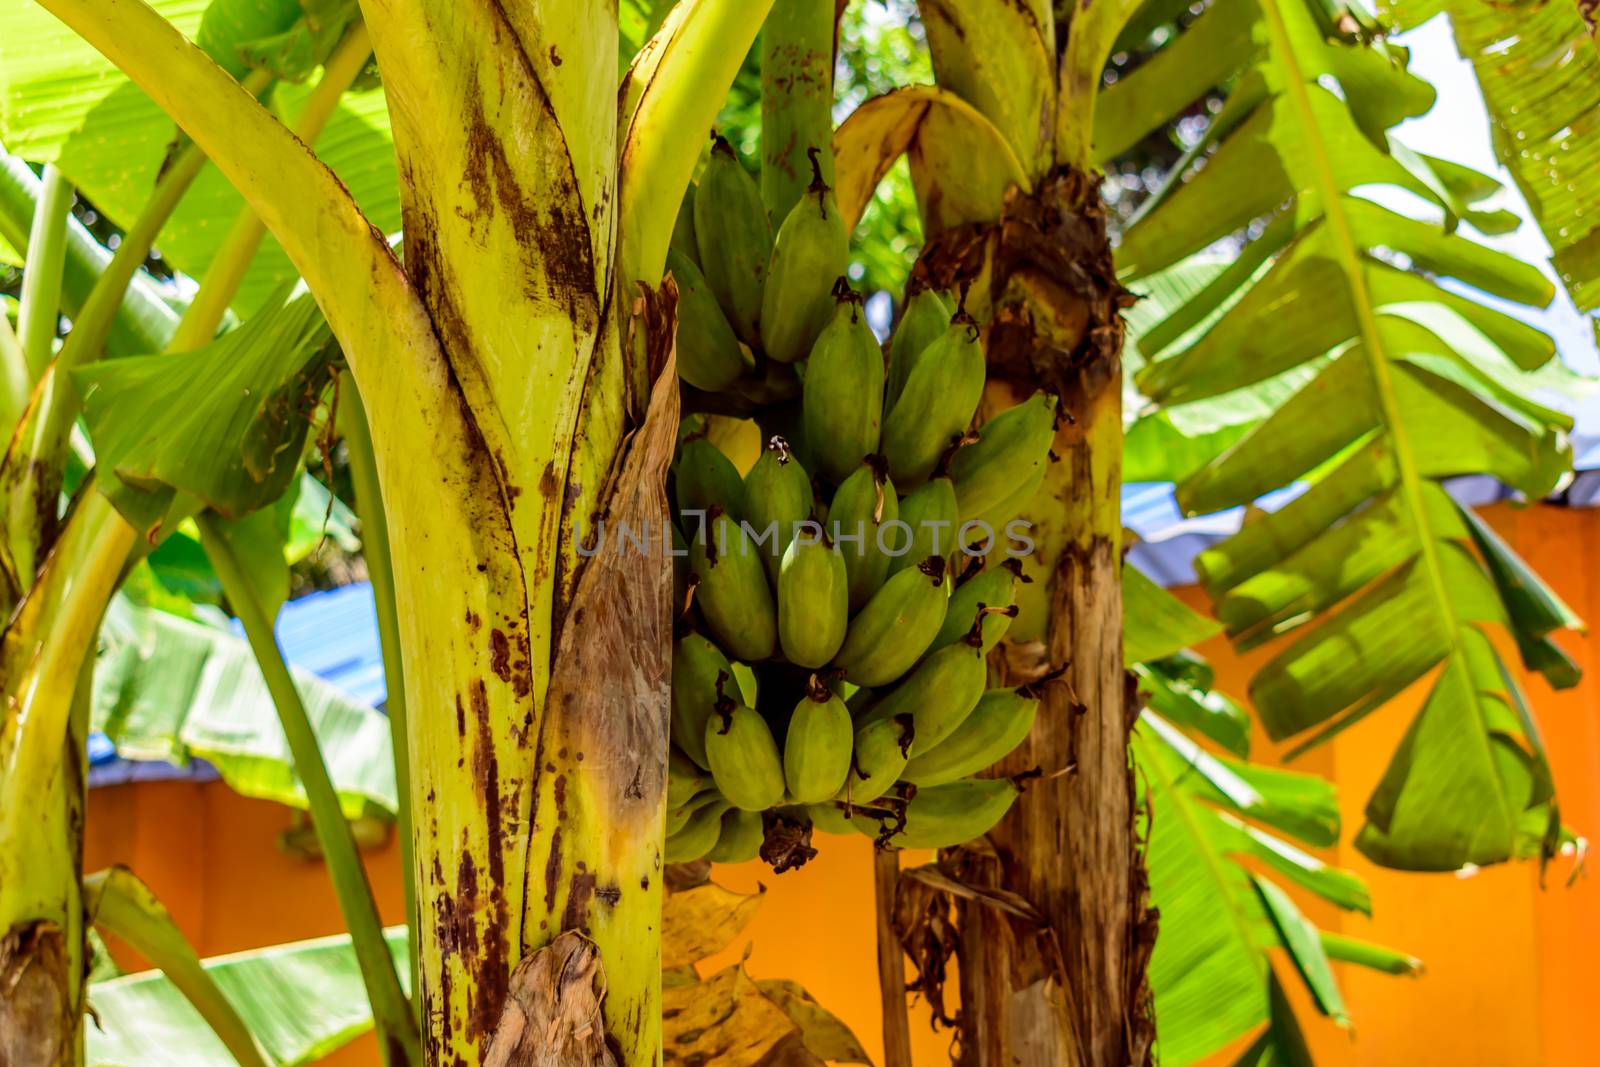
[[835, 673]]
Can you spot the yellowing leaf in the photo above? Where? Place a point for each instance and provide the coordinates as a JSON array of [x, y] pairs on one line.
[[961, 165], [703, 921], [724, 1020], [824, 1033]]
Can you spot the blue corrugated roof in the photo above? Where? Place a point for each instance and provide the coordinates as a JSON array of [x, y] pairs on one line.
[[334, 635]]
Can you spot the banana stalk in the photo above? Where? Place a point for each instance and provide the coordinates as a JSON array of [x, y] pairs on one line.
[[43, 724], [398, 1039], [40, 302], [797, 47], [357, 436]]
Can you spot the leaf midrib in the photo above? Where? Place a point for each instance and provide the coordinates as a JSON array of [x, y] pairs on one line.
[[1349, 258]]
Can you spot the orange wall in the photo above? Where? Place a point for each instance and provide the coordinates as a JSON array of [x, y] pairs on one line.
[[1511, 967]]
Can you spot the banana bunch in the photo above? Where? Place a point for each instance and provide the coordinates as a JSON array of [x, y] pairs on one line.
[[751, 303], [838, 552]]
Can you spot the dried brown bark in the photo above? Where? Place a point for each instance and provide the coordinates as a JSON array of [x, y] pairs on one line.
[[891, 961], [1071, 988], [36, 1016], [552, 1015]]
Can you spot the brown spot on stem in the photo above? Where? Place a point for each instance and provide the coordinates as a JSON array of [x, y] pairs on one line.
[[500, 655]]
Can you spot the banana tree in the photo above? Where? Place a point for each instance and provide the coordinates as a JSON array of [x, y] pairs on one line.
[[1001, 158], [528, 341]]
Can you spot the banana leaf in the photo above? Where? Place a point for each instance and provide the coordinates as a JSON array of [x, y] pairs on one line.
[[225, 423], [172, 689], [1372, 579], [62, 102], [1215, 825], [301, 1001], [1538, 65]]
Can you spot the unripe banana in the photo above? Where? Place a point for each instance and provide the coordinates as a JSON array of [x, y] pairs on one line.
[[813, 602], [984, 603], [698, 835], [930, 512], [881, 750], [704, 478], [812, 248], [678, 818], [863, 503], [1010, 449], [830, 818], [683, 240], [732, 594], [740, 839], [684, 778], [734, 236], [777, 496], [937, 404], [996, 726], [925, 318], [938, 695], [816, 751], [697, 664], [744, 758], [709, 356], [944, 816], [895, 628], [842, 406], [997, 517]]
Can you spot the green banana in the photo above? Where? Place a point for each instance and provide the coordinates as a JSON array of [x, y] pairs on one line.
[[944, 816], [830, 818], [996, 726], [744, 758], [732, 594], [842, 403], [813, 602], [937, 404], [888, 635], [704, 478], [697, 663], [740, 838], [817, 748], [998, 518], [678, 818], [989, 596], [861, 506], [709, 356], [1011, 448], [930, 512], [812, 248], [925, 318], [684, 778], [881, 750], [734, 237], [683, 239], [698, 835], [938, 695], [777, 496]]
